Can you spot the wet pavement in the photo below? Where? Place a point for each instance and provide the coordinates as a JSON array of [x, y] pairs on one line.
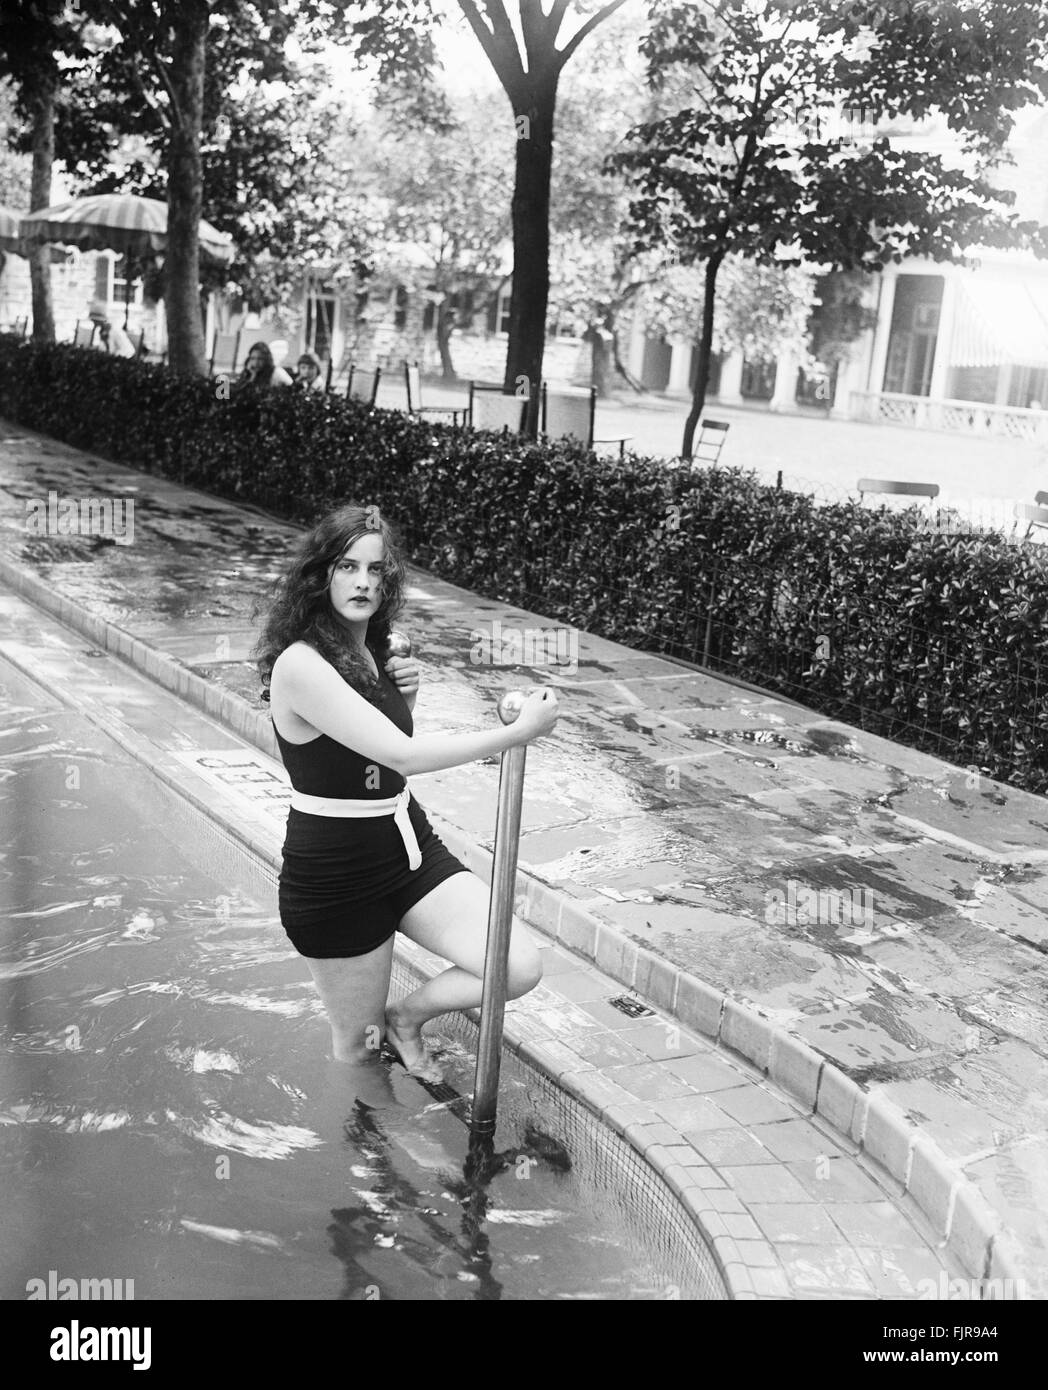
[[875, 904]]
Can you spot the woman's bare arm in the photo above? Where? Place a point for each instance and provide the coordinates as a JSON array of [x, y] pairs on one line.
[[314, 690]]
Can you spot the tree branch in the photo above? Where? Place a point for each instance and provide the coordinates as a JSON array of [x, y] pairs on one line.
[[533, 27], [503, 57], [165, 77], [555, 19], [591, 24]]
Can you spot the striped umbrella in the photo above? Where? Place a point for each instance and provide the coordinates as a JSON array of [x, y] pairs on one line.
[[10, 225], [124, 222]]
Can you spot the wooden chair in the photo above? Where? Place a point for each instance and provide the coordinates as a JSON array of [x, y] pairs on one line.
[[490, 409], [712, 436], [413, 382], [890, 487], [362, 385], [569, 414], [224, 353], [84, 334]]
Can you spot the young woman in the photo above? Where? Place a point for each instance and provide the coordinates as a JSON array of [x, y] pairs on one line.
[[261, 370], [361, 860]]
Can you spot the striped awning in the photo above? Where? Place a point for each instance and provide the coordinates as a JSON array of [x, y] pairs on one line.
[[999, 321], [121, 222]]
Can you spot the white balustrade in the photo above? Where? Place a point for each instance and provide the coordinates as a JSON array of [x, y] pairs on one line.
[[962, 417]]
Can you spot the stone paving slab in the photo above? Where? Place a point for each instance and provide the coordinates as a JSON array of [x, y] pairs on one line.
[[663, 782], [664, 1089]]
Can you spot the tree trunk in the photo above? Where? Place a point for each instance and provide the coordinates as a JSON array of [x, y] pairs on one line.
[[704, 344], [445, 328], [600, 340], [43, 145], [620, 366], [530, 217], [185, 327]]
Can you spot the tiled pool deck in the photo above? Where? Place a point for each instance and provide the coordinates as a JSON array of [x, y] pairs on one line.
[[848, 1112]]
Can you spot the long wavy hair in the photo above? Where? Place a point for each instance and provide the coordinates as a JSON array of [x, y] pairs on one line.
[[265, 376], [301, 611]]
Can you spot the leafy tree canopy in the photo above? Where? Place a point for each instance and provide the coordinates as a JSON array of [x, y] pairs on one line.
[[762, 159]]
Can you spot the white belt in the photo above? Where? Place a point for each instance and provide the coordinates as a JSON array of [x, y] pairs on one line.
[[395, 806]]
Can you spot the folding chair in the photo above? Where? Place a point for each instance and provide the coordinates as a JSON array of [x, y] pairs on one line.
[[490, 409], [1033, 516], [570, 414], [84, 334], [363, 385], [224, 353], [249, 337], [897, 489], [413, 382], [20, 327], [712, 436]]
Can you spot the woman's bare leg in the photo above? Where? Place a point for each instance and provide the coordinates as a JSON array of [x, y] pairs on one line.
[[452, 922], [354, 990]]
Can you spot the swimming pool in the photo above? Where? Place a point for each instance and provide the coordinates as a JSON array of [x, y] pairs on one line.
[[168, 1115]]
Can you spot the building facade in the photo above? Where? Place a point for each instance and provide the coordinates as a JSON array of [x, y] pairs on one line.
[[956, 346], [81, 281]]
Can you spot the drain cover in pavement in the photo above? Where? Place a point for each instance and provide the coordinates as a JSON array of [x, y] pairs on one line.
[[632, 1008]]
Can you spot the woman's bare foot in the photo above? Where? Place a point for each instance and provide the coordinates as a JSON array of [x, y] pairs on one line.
[[406, 1040]]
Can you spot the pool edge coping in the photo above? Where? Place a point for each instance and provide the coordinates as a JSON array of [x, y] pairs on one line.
[[950, 1202]]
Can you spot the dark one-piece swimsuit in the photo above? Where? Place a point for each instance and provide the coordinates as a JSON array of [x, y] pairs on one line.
[[345, 883]]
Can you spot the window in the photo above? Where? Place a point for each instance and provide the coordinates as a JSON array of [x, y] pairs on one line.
[[111, 281], [502, 307]]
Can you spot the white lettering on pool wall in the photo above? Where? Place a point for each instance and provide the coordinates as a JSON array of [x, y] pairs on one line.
[[76, 1343]]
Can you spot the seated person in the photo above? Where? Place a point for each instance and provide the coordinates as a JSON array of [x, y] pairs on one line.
[[261, 370], [111, 336], [310, 373]]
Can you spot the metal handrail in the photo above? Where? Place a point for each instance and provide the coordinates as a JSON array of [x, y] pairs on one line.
[[500, 921]]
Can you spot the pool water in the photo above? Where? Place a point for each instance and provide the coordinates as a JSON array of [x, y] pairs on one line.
[[168, 1111]]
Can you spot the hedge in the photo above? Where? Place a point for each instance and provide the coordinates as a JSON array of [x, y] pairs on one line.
[[865, 615]]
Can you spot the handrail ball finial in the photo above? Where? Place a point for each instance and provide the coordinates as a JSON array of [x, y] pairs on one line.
[[510, 705]]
